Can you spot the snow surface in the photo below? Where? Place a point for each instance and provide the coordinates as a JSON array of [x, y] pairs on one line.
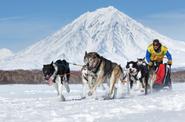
[[107, 31], [39, 103]]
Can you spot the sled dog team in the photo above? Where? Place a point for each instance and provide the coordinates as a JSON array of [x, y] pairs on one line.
[[98, 70]]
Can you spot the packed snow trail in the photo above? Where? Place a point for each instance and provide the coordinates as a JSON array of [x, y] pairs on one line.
[[39, 103]]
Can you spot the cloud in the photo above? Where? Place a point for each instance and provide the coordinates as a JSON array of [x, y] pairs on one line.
[[171, 24], [11, 18], [169, 15]]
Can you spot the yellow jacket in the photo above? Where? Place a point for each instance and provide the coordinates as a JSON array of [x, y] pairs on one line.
[[156, 56]]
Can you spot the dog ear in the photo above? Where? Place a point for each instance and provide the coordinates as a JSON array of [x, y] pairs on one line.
[[85, 53], [52, 62], [127, 65]]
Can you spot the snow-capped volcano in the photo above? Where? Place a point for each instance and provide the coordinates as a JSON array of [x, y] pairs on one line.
[[107, 31]]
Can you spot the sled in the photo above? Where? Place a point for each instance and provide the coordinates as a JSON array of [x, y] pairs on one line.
[[163, 77]]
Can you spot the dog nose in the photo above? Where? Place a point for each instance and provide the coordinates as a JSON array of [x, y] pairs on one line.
[[130, 70]]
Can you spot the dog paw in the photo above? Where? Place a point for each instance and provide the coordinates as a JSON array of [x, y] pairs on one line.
[[142, 90], [107, 98], [83, 97], [63, 98], [90, 93], [67, 87]]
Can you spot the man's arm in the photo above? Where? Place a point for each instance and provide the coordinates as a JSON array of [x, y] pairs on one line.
[[147, 56], [169, 56]]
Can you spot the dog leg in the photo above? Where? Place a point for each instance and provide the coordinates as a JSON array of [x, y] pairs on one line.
[[126, 81], [141, 84], [120, 89], [146, 84], [91, 81], [56, 87], [115, 76], [60, 88], [137, 87], [112, 87], [131, 83], [66, 85], [151, 79], [99, 80], [128, 88], [61, 94], [103, 87], [151, 84], [62, 97], [142, 81], [85, 87]]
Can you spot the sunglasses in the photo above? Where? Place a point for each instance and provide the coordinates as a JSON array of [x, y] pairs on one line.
[[156, 45]]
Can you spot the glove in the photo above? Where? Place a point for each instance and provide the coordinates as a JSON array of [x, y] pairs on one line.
[[169, 62], [150, 64]]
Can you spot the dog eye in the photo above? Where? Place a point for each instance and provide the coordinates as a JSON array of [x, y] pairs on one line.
[[90, 59]]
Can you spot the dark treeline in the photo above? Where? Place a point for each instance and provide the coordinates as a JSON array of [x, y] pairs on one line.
[[36, 77]]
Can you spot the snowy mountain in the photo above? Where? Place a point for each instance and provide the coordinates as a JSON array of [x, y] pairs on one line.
[[5, 53], [107, 31]]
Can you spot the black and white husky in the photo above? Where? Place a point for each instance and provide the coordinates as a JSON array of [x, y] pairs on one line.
[[58, 74], [138, 73]]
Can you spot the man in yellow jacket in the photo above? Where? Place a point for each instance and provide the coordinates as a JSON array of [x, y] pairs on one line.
[[156, 52]]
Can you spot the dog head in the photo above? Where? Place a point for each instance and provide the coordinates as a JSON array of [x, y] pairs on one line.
[[84, 70], [48, 70], [132, 66], [141, 61], [91, 60]]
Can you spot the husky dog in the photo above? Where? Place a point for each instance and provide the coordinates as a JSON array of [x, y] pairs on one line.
[[88, 80], [59, 74], [138, 71], [105, 70]]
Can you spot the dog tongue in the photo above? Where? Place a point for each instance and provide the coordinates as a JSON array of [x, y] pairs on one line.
[[50, 81]]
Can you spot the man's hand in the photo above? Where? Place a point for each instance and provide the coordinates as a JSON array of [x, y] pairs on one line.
[[150, 64], [169, 62]]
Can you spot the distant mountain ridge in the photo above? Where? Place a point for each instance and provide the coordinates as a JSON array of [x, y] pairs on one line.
[[107, 31]]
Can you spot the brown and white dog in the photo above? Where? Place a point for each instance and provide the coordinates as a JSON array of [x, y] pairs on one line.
[[88, 80], [105, 70]]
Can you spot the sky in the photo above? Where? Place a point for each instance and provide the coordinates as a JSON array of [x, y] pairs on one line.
[[25, 22]]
